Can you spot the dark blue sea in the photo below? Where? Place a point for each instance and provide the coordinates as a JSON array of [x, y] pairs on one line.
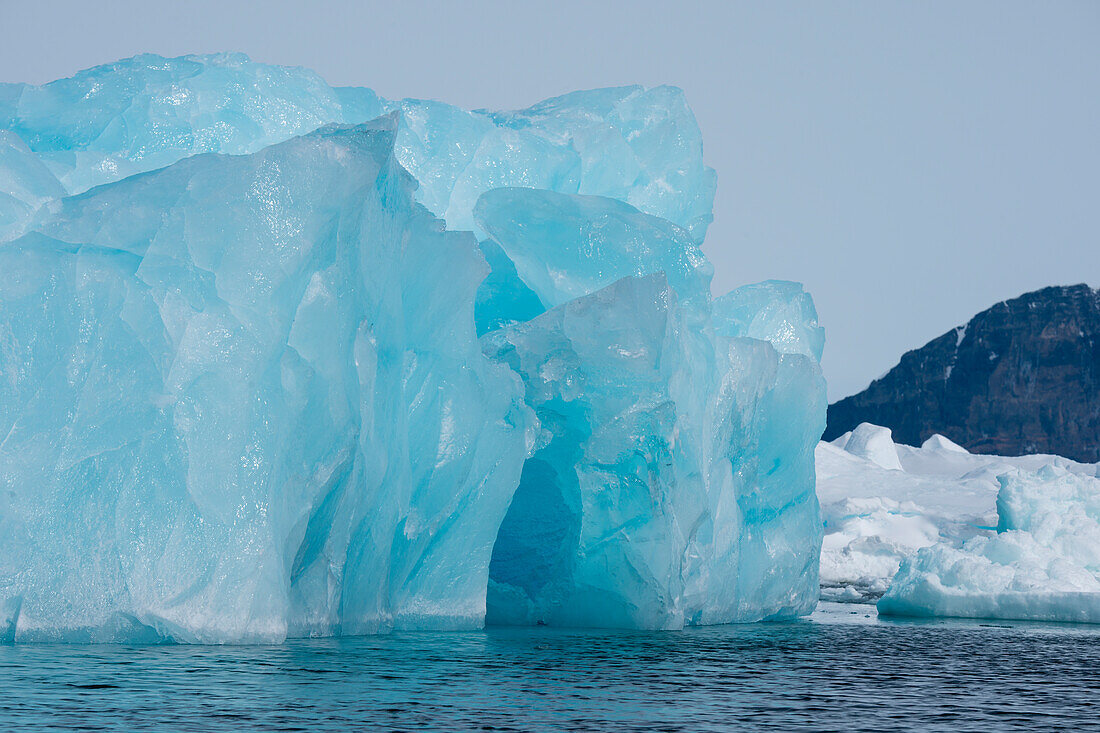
[[842, 669]]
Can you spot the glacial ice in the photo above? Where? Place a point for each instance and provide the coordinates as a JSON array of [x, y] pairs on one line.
[[565, 246], [25, 185], [776, 311], [244, 393], [1043, 563], [876, 517], [672, 444], [642, 146], [109, 122], [680, 461], [230, 413]]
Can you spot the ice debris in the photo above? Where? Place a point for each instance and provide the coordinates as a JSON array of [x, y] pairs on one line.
[[876, 517], [244, 396], [1043, 563]]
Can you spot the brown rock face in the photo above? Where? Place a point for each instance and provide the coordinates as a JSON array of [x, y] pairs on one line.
[[1021, 377]]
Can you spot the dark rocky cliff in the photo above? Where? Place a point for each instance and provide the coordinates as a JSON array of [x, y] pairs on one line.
[[1021, 377]]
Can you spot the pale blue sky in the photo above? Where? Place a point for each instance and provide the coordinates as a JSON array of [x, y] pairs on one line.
[[911, 163]]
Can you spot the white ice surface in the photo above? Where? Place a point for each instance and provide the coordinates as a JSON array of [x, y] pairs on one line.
[[874, 516], [1042, 564]]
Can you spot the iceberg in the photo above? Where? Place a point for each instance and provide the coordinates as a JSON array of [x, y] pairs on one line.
[[672, 449], [876, 516], [1043, 563], [282, 359], [642, 146], [683, 463], [234, 413]]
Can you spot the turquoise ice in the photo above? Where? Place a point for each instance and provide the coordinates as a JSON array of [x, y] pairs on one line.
[[564, 246], [776, 311], [673, 481], [105, 123], [25, 185], [282, 359], [232, 413]]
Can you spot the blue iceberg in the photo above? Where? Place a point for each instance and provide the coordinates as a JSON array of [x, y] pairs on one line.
[[673, 478], [282, 359], [231, 413], [103, 124]]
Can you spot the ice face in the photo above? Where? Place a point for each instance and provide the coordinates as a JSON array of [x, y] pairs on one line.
[[565, 246], [601, 492], [777, 311], [1043, 564], [682, 457], [245, 398], [25, 185], [295, 434]]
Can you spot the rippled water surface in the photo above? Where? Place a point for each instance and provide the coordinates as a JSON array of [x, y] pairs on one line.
[[837, 671]]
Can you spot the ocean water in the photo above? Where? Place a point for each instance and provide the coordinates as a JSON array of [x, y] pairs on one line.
[[842, 669]]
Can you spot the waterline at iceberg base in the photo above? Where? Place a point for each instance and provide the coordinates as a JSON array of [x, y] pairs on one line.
[[285, 360]]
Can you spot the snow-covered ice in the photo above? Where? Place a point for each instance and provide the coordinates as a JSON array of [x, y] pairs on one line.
[[944, 506], [1042, 564], [872, 442]]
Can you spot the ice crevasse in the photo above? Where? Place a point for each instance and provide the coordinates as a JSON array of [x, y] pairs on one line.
[[280, 359]]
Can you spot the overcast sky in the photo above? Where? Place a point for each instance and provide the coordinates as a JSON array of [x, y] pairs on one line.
[[911, 163]]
